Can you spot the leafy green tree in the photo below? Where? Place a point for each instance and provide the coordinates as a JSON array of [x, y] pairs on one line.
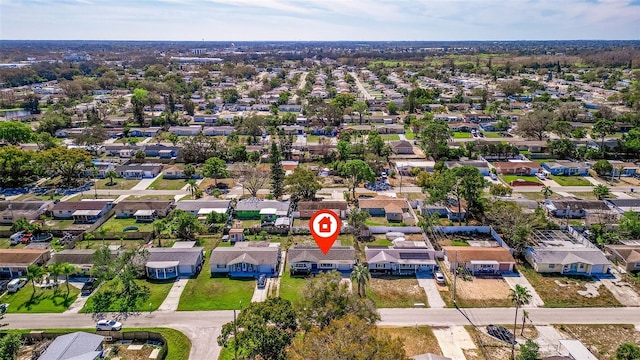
[[433, 139], [603, 167], [102, 268], [55, 270], [343, 101], [277, 172], [14, 132], [31, 103], [18, 167], [392, 108], [34, 274], [325, 297], [602, 128], [184, 225], [376, 145], [361, 108], [67, 269], [629, 225], [529, 351], [361, 276], [348, 337], [500, 190], [536, 124], [357, 221], [262, 330], [357, 171], [192, 187], [139, 100], [45, 141], [230, 96], [563, 148], [546, 191], [215, 168], [68, 163], [519, 296], [628, 351], [601, 191], [344, 150], [111, 174], [303, 184], [173, 138], [10, 346], [189, 170]]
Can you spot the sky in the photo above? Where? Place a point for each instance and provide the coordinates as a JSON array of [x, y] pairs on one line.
[[319, 20]]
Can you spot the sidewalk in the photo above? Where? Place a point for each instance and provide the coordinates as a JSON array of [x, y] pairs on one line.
[[170, 303]]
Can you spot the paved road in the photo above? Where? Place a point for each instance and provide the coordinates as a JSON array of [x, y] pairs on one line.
[[364, 91]]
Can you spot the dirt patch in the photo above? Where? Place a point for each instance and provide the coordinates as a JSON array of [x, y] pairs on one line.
[[396, 292], [601, 340], [590, 289], [416, 339], [477, 293], [489, 347]]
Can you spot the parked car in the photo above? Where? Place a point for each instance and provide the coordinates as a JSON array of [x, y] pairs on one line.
[[440, 278], [15, 285], [501, 333], [262, 281], [108, 325], [88, 287]]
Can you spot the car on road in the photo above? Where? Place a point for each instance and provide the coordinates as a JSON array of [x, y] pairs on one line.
[[439, 278], [262, 281], [108, 325]]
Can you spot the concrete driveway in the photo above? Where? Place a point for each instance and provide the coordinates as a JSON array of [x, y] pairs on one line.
[[172, 300], [428, 283], [512, 281], [453, 340], [622, 291], [260, 295]]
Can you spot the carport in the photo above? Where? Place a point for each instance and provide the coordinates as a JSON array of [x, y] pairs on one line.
[[484, 266]]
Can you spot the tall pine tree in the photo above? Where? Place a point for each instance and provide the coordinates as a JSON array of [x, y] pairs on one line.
[[277, 173]]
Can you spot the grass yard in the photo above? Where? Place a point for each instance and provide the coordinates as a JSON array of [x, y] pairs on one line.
[[538, 196], [390, 137], [89, 195], [602, 340], [117, 225], [128, 140], [151, 197], [509, 178], [461, 135], [313, 138], [409, 135], [492, 134], [570, 180], [59, 224], [120, 184], [396, 292], [291, 287], [167, 184], [589, 195], [215, 293], [97, 243], [562, 291], [380, 241], [159, 291], [416, 339], [44, 300], [381, 221]]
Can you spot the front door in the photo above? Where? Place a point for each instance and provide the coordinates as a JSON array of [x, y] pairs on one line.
[[574, 268]]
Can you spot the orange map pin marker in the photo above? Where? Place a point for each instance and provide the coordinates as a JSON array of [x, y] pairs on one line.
[[325, 229]]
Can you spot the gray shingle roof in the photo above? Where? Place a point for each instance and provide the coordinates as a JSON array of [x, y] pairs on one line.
[[77, 345], [185, 256], [400, 256], [250, 255], [253, 204], [193, 205], [569, 256], [337, 254]]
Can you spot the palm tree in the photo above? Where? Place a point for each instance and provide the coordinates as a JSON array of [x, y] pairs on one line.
[[67, 269], [111, 174], [55, 269], [546, 191], [360, 274], [519, 296], [103, 233], [158, 227], [525, 317], [34, 273], [88, 237], [192, 187]]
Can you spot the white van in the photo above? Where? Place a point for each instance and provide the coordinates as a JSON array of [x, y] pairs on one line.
[[15, 285]]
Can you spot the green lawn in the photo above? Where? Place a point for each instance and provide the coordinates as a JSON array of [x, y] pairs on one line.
[[215, 293], [570, 180], [492, 134], [167, 184], [510, 178], [381, 221], [538, 196], [291, 287], [409, 135], [390, 137], [461, 135], [395, 292], [159, 291], [120, 184], [127, 139], [313, 138], [44, 300], [382, 241], [117, 225]]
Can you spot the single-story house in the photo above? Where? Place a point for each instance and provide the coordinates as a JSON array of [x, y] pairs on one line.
[[143, 210], [462, 126], [479, 260], [402, 147], [481, 165], [218, 130], [576, 261], [81, 258], [391, 208], [308, 208], [10, 211], [291, 129], [236, 235], [405, 167], [628, 256], [75, 346], [169, 263], [123, 151], [517, 167], [144, 132], [251, 208], [87, 211], [246, 259], [203, 207], [143, 171], [14, 262], [628, 168], [207, 119], [176, 172], [161, 151], [185, 130], [399, 260], [575, 209], [311, 260], [564, 167]]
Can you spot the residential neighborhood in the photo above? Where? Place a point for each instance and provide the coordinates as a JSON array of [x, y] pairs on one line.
[[476, 187]]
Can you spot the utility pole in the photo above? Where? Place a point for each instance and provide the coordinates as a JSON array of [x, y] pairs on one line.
[[455, 276]]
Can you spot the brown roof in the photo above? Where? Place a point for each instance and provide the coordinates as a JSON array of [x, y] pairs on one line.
[[20, 256], [143, 205], [317, 205], [516, 165], [629, 253], [80, 205], [380, 202], [469, 253]]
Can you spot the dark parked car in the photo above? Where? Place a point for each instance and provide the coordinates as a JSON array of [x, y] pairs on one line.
[[262, 281], [501, 333], [88, 287]]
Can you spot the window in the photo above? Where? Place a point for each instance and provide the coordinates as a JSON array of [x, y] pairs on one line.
[[552, 266], [170, 270], [221, 266], [637, 265], [581, 266], [381, 266], [326, 265]]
